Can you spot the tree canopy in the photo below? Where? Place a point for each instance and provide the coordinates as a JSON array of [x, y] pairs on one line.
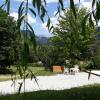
[[50, 55], [69, 35], [7, 39]]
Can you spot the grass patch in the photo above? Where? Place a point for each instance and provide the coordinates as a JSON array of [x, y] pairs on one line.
[[38, 71], [5, 77], [91, 92]]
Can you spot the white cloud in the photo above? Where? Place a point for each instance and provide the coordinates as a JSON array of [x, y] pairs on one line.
[[52, 1], [54, 13], [87, 4], [48, 1], [43, 26], [30, 18], [55, 1], [15, 15], [53, 21], [24, 0]]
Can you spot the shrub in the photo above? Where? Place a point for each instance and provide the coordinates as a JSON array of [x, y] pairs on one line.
[[6, 71], [97, 61]]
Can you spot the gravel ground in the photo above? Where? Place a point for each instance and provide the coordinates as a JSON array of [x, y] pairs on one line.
[[57, 82]]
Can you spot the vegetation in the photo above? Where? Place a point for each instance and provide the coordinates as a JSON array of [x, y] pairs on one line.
[[29, 36], [49, 55], [8, 40], [68, 35], [97, 60], [38, 71], [82, 93]]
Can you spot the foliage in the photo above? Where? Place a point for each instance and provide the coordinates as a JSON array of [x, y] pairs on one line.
[[24, 42], [32, 56], [6, 71], [68, 35], [49, 55], [97, 57], [37, 70], [8, 40]]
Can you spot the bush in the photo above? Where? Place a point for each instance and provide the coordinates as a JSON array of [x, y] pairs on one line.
[[82, 65], [37, 64], [6, 71], [97, 61], [49, 56]]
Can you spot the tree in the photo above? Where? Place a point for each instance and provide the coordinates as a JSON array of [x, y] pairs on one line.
[[97, 59], [68, 34], [49, 55], [7, 39]]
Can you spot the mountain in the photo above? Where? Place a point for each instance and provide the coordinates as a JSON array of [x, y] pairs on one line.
[[40, 39]]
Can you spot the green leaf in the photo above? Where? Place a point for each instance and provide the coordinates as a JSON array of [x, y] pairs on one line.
[[3, 5], [45, 2], [91, 22], [25, 54], [94, 15], [97, 11], [43, 11], [33, 12], [32, 36], [20, 86], [38, 5], [58, 11], [84, 23], [51, 28], [20, 71], [13, 81], [48, 23], [27, 75], [33, 76], [93, 3], [72, 6], [61, 3], [34, 2], [30, 27], [20, 9], [19, 21], [89, 75], [8, 6]]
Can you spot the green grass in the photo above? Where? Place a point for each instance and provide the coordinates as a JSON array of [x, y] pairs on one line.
[[91, 92], [38, 71], [5, 77]]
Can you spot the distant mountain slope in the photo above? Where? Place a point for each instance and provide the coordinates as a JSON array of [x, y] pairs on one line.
[[40, 39]]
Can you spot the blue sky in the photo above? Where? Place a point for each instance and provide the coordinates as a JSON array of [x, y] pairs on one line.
[[39, 27]]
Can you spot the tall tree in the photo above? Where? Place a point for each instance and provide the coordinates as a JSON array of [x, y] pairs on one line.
[[49, 55], [68, 34], [7, 39]]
